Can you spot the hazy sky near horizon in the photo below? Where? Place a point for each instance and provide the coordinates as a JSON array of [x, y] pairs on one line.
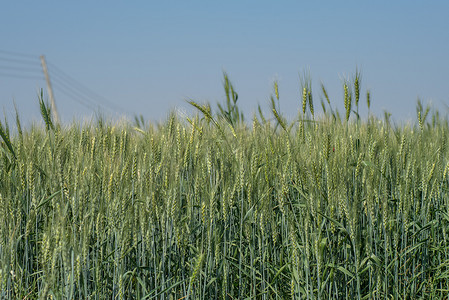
[[148, 57]]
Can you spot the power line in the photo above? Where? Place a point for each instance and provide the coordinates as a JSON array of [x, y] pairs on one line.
[[60, 84], [63, 79], [21, 76], [72, 93], [17, 54], [14, 61], [38, 70], [20, 61], [62, 76], [76, 99]]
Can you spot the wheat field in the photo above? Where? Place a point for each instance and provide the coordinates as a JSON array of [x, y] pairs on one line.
[[215, 207]]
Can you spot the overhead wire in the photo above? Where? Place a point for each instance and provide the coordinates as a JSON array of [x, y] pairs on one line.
[[88, 93], [26, 66], [17, 54], [57, 79], [22, 76], [75, 98], [25, 69], [20, 61], [14, 64], [73, 93], [77, 95]]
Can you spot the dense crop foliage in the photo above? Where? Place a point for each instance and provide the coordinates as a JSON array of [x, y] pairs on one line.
[[213, 208]]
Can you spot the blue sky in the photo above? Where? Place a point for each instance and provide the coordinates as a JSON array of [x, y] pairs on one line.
[[147, 57]]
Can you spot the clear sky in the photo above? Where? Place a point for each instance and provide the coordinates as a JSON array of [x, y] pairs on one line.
[[147, 57]]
